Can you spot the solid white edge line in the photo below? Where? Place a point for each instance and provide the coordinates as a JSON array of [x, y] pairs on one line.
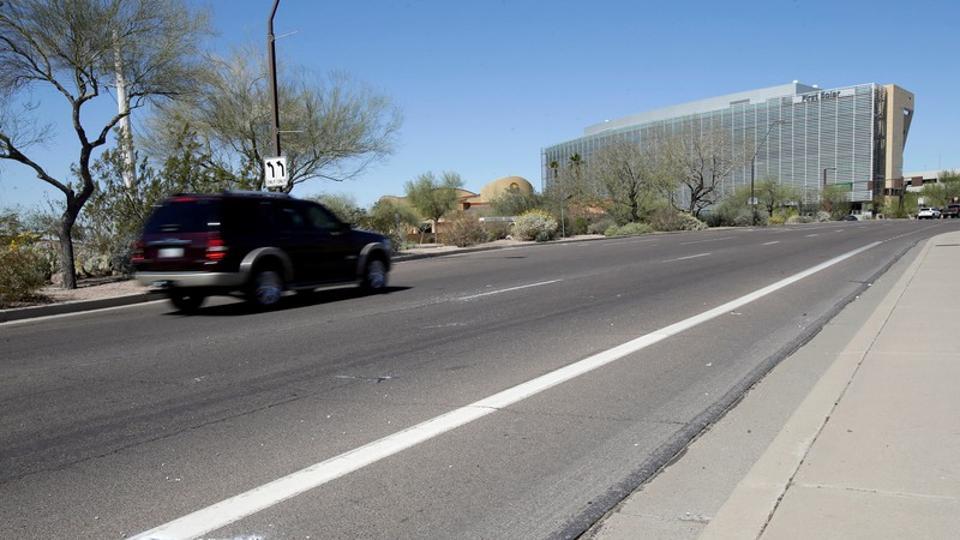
[[498, 291], [771, 243], [259, 498]]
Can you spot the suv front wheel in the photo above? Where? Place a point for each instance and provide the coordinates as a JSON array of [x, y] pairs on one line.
[[375, 276]]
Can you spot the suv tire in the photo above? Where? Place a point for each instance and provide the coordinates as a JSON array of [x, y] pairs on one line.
[[185, 301], [374, 276], [266, 288]]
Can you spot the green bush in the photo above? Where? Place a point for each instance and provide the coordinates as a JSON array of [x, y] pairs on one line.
[[22, 270], [464, 230], [630, 229], [536, 225]]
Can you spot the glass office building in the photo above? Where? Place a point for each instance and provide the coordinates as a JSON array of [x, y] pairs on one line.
[[852, 135]]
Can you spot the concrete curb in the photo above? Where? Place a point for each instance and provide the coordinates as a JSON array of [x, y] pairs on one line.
[[16, 314], [415, 256], [747, 511]]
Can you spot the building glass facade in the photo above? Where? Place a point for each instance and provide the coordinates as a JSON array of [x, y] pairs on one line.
[[810, 130]]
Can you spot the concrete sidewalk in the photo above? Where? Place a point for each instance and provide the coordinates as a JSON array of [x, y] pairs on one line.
[[874, 449]]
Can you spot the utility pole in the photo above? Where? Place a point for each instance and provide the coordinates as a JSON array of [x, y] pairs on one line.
[[272, 54], [123, 108]]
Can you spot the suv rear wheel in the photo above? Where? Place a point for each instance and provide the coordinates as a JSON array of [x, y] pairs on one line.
[[186, 301], [266, 288]]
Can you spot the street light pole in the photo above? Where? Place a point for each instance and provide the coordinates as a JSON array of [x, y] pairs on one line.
[[272, 54], [753, 168]]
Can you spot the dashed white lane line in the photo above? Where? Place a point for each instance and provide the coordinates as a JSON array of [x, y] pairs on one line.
[[812, 235], [771, 243], [688, 257], [707, 240], [235, 508], [509, 289]]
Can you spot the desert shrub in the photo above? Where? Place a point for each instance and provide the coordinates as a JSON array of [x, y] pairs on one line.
[[782, 215], [497, 230], [580, 225], [600, 226], [630, 229], [22, 269], [688, 222], [668, 219], [824, 216], [536, 225], [794, 219], [464, 230]]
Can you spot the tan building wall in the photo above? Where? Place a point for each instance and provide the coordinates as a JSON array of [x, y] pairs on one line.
[[899, 114]]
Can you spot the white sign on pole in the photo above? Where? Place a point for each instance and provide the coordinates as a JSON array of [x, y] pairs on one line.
[[753, 201], [276, 172]]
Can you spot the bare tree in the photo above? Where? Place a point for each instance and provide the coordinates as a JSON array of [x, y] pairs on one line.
[[332, 129], [629, 174], [700, 163], [71, 47]]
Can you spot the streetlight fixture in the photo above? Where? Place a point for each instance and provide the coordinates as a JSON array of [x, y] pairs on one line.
[[753, 168]]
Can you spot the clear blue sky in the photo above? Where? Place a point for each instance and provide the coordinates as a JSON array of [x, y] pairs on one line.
[[484, 85]]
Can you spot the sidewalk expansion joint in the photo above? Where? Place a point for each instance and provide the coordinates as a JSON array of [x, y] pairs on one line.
[[881, 492]]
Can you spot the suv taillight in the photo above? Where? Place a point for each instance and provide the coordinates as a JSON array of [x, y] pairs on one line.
[[216, 249], [136, 254]]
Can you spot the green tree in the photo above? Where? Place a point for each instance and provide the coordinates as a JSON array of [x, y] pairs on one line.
[[773, 194], [628, 173], [513, 202], [344, 207], [433, 197], [75, 47], [944, 192], [393, 219], [835, 199]]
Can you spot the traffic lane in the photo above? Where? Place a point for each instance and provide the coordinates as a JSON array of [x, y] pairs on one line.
[[195, 391], [226, 473], [526, 471]]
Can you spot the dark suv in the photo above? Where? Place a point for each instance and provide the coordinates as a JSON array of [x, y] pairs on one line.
[[256, 243]]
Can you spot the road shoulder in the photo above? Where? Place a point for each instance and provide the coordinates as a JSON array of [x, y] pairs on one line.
[[684, 497]]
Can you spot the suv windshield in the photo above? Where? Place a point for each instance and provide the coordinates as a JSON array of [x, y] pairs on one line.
[[185, 215]]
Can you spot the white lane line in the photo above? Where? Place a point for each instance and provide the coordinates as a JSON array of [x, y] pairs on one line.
[[689, 257], [78, 313], [771, 243], [708, 240], [812, 235], [235, 508], [509, 289]]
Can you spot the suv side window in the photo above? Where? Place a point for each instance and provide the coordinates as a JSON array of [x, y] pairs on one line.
[[320, 219], [289, 218]]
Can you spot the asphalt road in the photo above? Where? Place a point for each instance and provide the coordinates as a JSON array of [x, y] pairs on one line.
[[123, 420]]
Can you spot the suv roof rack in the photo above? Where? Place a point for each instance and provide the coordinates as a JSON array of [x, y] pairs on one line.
[[248, 193]]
